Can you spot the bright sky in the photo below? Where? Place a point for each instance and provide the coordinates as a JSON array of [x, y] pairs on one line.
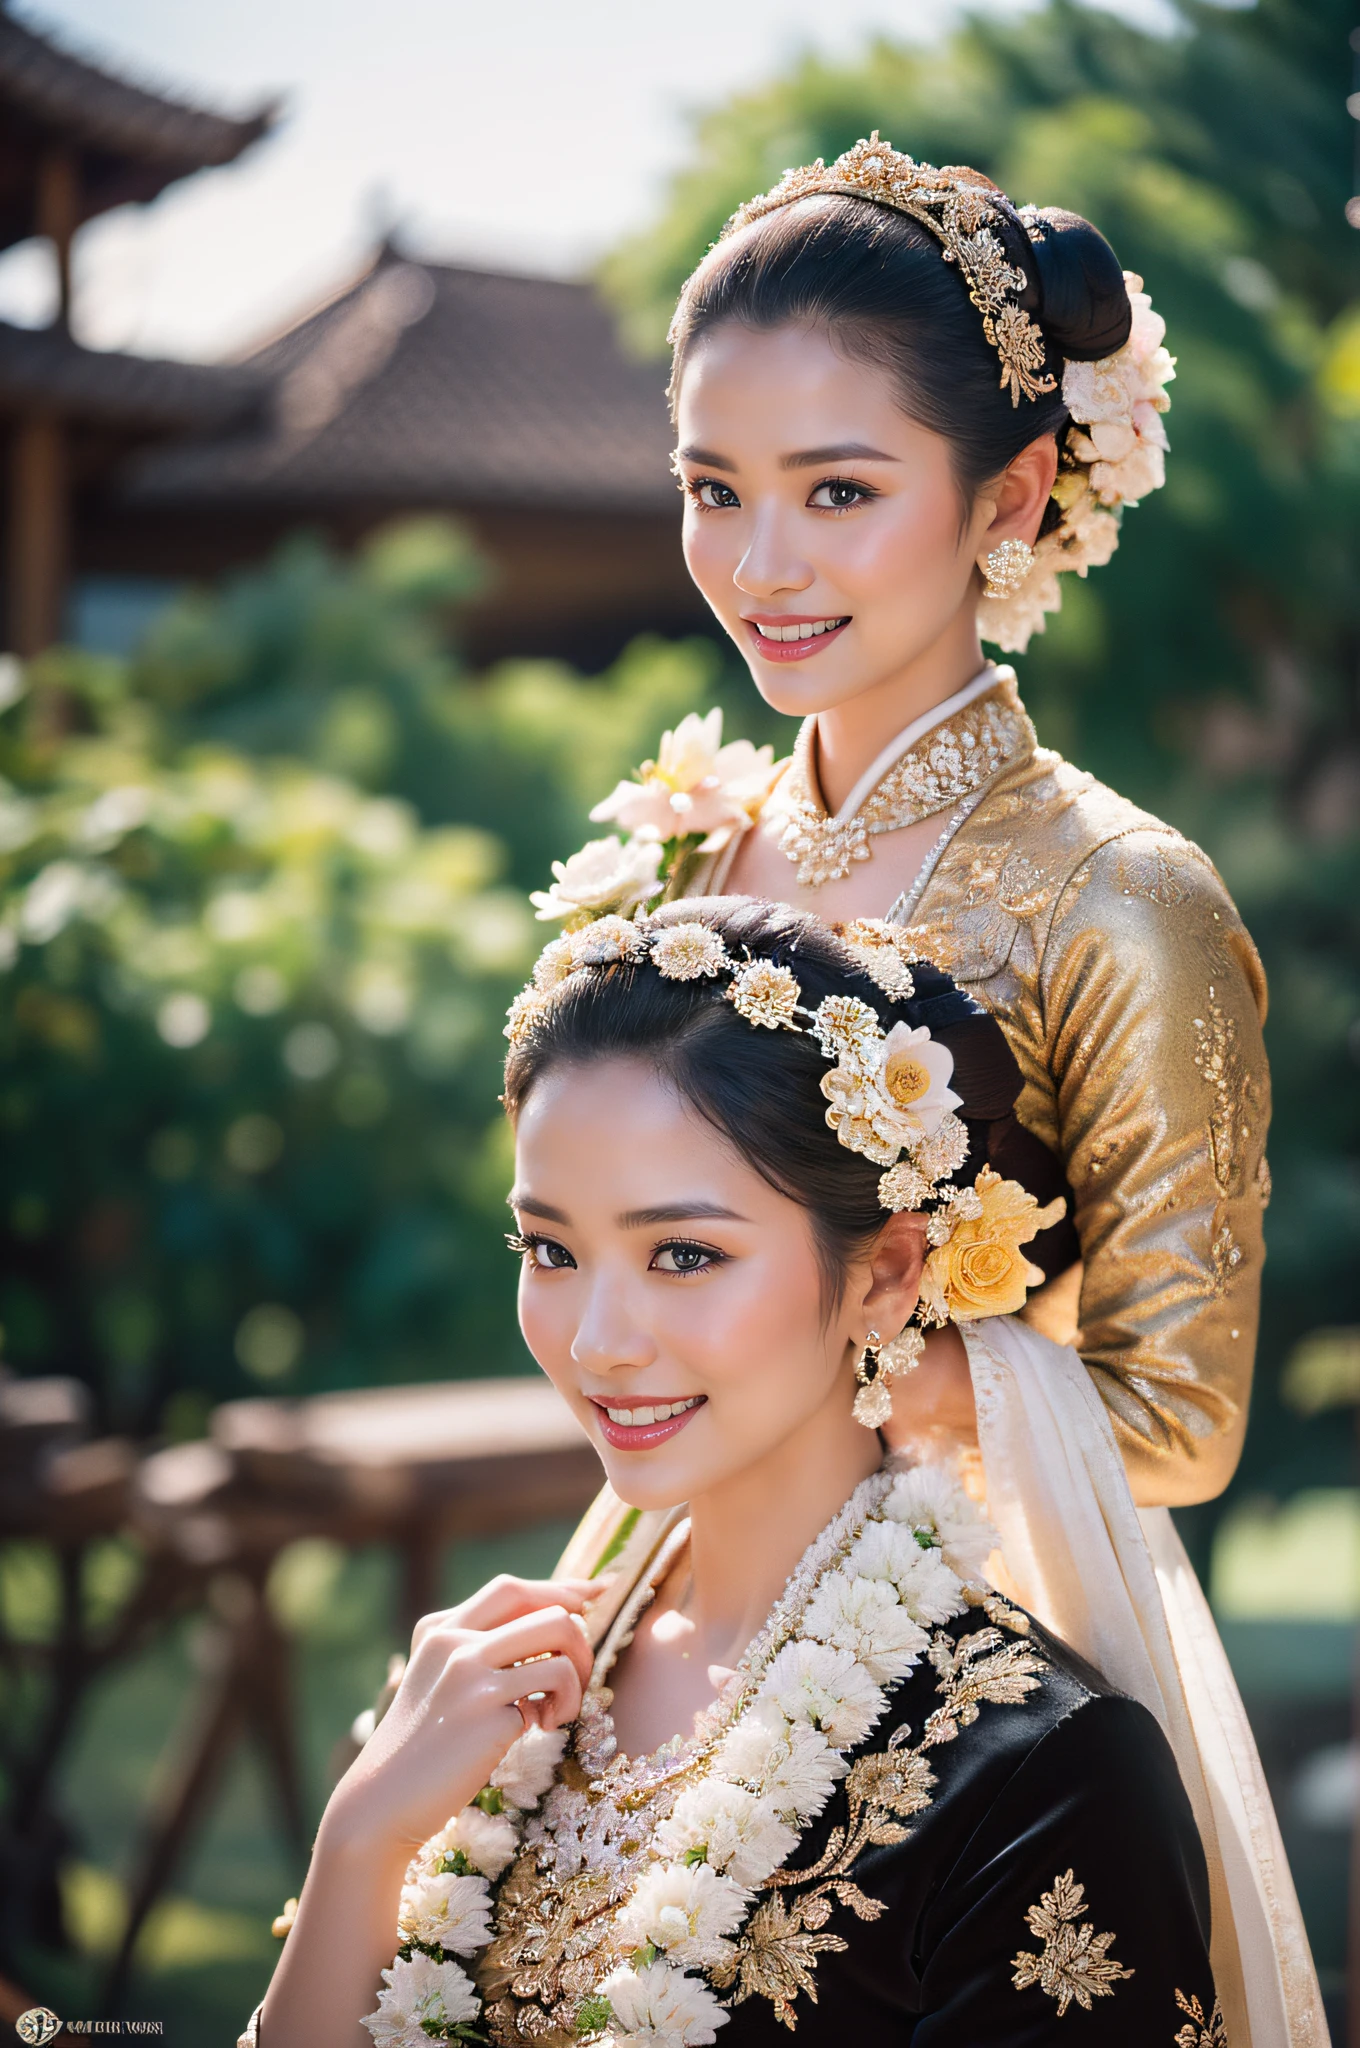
[[518, 133]]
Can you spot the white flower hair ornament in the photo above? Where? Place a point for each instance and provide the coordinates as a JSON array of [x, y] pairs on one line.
[[1113, 455], [695, 788], [888, 1098]]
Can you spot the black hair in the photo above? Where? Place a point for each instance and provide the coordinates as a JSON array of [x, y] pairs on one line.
[[877, 281], [761, 1088]]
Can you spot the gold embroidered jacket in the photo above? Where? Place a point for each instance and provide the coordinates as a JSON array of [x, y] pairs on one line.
[[1010, 1859], [1111, 953]]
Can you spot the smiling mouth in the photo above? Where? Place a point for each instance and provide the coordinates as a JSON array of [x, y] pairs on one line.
[[638, 1425], [794, 639]]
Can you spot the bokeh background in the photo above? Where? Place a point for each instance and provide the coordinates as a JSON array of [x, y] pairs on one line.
[[342, 575]]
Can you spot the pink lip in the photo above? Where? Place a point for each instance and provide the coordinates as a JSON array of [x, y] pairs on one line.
[[624, 1437], [789, 650]]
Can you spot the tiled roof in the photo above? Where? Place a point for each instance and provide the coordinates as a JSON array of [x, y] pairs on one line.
[[432, 384], [43, 366], [133, 141]]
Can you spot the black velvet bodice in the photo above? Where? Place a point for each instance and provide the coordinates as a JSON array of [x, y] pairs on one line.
[[1027, 1871]]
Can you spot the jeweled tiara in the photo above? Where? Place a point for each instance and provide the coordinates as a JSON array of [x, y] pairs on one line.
[[956, 204]]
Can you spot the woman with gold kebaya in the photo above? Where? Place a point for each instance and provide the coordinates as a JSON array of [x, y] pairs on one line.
[[905, 410]]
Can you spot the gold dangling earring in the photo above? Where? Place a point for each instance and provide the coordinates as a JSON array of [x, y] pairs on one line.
[[1006, 568], [876, 1368], [872, 1402]]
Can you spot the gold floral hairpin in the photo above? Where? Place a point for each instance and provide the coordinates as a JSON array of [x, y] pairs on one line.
[[888, 1098], [959, 207]]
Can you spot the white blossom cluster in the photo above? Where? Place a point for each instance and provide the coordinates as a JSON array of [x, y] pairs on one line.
[[693, 797], [863, 1629], [864, 1626], [446, 1902], [1118, 448]]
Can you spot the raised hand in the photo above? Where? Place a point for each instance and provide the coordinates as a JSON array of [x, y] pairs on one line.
[[513, 1656]]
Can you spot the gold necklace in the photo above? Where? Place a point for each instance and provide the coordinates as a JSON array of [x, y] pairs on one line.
[[954, 759]]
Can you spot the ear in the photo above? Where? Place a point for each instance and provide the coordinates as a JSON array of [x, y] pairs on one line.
[[1019, 496], [892, 1283]]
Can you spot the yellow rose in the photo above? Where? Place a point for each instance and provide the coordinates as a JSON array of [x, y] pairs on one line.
[[985, 1279], [981, 1270]]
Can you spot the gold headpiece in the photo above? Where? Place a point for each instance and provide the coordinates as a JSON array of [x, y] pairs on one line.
[[956, 204], [888, 1098]]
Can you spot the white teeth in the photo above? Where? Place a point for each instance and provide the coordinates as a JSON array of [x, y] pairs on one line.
[[638, 1418], [809, 632]]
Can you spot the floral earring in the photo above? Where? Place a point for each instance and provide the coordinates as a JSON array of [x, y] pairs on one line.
[[875, 1369], [1006, 568]]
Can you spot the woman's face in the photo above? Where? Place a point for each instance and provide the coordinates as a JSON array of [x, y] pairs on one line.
[[671, 1295], [812, 501]]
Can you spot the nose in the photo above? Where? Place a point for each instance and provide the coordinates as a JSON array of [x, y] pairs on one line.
[[608, 1337], [771, 566]]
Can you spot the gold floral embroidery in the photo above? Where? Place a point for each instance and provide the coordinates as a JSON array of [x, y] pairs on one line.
[[1225, 1254], [1073, 1962], [1154, 872], [1220, 1068], [1133, 1131], [776, 1955], [545, 1957], [952, 760], [1212, 2032]]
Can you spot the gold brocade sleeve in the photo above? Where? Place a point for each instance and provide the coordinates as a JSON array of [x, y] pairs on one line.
[[1151, 1002]]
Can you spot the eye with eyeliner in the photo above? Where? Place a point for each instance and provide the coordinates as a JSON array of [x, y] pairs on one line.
[[530, 1246], [686, 1247], [696, 486], [863, 493]]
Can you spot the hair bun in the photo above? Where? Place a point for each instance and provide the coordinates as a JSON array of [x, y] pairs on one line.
[[1085, 311]]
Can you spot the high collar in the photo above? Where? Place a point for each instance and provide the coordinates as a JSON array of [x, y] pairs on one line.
[[986, 679]]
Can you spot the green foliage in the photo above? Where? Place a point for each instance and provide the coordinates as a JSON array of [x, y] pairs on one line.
[[250, 1007]]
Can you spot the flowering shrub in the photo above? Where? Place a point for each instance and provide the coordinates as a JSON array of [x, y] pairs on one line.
[[248, 1014]]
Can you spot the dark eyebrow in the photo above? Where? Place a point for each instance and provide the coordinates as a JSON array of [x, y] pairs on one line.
[[519, 1200], [704, 457], [805, 458], [676, 1212], [845, 451]]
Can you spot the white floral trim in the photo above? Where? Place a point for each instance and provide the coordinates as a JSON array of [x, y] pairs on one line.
[[1116, 461], [902, 1556], [446, 1901], [817, 1695]]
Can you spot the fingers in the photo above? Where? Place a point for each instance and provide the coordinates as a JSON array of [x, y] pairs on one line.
[[505, 1598], [554, 1681], [551, 1632]]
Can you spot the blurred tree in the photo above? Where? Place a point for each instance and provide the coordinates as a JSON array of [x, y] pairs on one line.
[[1212, 671], [250, 1009], [352, 665]]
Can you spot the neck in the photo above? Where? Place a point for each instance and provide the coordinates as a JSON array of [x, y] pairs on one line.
[[747, 1534], [852, 735]]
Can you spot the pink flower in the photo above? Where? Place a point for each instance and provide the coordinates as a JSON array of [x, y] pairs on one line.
[[696, 787]]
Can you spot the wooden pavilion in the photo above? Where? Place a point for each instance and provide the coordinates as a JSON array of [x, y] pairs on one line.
[[76, 141], [505, 400]]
